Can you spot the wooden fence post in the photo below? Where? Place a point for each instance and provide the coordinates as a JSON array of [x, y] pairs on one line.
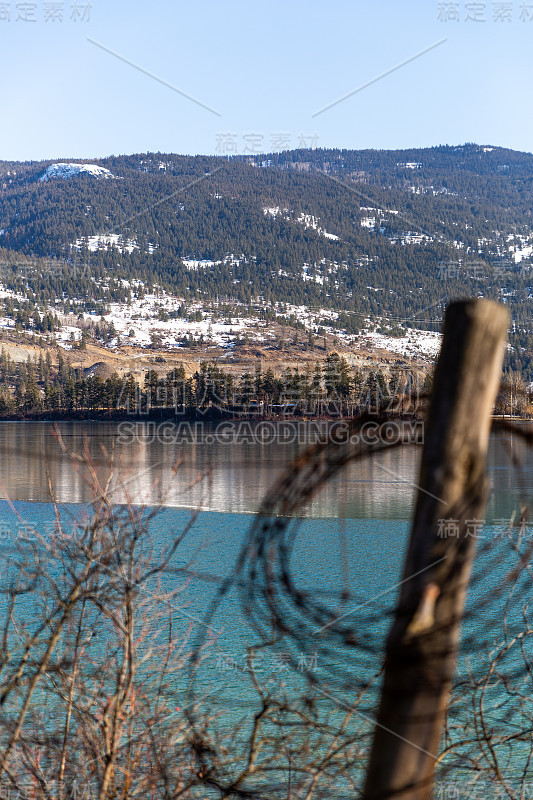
[[422, 644]]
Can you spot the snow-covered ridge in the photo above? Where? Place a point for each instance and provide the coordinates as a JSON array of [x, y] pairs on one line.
[[63, 171]]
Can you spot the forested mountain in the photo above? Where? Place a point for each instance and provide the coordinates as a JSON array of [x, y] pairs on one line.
[[391, 234]]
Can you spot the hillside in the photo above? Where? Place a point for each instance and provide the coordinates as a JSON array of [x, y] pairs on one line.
[[329, 242]]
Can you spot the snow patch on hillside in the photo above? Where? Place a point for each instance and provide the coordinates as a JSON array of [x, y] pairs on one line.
[[307, 220], [310, 221], [206, 263], [520, 247], [143, 318], [103, 241], [196, 264], [62, 171], [416, 343], [520, 254]]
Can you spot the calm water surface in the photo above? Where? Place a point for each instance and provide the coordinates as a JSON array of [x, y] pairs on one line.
[[218, 472]]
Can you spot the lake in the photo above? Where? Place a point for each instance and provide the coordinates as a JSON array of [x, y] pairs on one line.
[[352, 538], [223, 468]]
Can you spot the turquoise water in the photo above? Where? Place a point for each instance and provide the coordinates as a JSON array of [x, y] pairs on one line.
[[365, 557], [362, 557], [353, 541]]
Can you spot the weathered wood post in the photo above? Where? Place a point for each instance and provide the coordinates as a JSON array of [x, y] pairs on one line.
[[422, 644]]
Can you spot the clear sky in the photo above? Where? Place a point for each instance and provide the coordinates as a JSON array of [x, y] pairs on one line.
[[266, 69]]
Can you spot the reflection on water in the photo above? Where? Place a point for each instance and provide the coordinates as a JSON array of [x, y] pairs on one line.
[[218, 473]]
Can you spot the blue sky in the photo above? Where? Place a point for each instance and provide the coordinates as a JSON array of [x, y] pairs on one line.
[[265, 69]]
